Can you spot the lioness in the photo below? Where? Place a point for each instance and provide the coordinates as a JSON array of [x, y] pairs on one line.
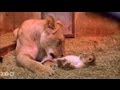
[[38, 40]]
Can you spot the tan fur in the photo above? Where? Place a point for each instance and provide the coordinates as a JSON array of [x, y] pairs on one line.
[[50, 63], [35, 42]]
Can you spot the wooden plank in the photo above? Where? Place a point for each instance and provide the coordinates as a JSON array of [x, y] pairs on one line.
[[6, 49], [7, 43], [6, 22]]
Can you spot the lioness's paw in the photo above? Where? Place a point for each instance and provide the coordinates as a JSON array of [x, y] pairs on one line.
[[45, 71], [50, 71]]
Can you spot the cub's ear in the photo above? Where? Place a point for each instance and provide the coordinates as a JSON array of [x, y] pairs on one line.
[[50, 22]]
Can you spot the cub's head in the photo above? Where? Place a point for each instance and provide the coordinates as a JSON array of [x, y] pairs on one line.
[[88, 59]]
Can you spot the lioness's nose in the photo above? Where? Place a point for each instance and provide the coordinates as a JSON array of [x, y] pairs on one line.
[[62, 55], [53, 56]]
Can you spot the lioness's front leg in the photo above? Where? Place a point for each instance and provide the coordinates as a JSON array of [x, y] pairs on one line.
[[29, 63]]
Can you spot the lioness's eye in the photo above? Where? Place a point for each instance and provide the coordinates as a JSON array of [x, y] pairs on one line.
[[59, 42]]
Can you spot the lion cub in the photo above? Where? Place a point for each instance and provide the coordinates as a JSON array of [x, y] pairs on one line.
[[71, 61], [74, 62]]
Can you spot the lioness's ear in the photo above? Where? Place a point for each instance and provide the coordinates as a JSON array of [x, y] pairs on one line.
[[59, 24], [50, 22], [15, 33], [58, 27]]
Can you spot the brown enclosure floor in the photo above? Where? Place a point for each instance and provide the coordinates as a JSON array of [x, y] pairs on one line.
[[107, 52], [105, 44], [107, 60]]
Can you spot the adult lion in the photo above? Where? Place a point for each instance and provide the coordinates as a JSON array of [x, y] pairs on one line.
[[37, 40]]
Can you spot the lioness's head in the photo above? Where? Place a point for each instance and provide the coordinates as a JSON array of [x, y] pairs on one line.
[[52, 39]]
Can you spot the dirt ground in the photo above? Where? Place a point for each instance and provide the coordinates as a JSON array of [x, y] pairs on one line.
[[105, 44]]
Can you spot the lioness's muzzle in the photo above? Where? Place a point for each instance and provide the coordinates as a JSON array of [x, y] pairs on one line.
[[53, 56]]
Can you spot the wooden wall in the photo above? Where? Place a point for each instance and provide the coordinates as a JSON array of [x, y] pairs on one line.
[[10, 20], [21, 16], [85, 23], [6, 22], [94, 24]]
